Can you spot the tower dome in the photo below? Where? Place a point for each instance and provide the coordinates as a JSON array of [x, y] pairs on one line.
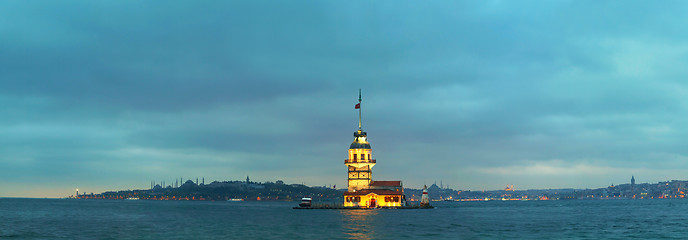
[[360, 140]]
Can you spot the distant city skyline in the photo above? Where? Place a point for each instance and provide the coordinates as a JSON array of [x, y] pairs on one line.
[[477, 94]]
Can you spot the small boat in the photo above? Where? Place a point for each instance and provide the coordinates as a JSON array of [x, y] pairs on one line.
[[235, 200], [132, 198], [305, 202]]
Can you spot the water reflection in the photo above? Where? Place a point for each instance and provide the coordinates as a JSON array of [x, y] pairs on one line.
[[357, 223]]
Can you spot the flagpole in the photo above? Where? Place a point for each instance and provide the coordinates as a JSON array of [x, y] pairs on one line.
[[359, 109]]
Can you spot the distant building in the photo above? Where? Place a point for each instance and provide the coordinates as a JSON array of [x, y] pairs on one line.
[[632, 194], [362, 191], [189, 184]]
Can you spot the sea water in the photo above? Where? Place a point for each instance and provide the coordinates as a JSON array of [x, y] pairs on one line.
[[144, 219]]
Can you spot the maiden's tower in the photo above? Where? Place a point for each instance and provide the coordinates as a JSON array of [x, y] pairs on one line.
[[362, 191]]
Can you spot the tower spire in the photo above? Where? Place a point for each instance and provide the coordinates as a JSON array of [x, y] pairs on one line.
[[359, 109]]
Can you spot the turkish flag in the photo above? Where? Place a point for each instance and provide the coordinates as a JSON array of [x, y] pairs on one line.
[[358, 106]]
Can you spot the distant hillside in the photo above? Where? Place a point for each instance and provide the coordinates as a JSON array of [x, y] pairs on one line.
[[222, 191]]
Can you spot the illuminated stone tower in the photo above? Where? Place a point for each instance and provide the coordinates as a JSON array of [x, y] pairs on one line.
[[360, 161]]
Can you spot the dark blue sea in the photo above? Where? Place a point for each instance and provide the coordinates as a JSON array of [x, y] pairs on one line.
[[121, 219]]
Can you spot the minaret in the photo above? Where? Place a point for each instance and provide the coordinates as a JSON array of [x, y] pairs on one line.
[[360, 161]]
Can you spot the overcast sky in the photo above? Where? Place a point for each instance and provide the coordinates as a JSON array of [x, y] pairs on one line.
[[110, 95]]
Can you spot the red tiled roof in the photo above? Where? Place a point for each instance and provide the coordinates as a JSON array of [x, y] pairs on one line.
[[385, 183], [375, 191]]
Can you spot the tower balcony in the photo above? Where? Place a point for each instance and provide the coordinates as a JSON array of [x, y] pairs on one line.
[[359, 161]]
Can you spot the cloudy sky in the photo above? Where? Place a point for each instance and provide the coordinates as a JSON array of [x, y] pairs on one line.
[[108, 95]]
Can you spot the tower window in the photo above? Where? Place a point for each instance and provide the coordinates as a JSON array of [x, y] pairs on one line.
[[355, 156], [368, 156], [362, 156]]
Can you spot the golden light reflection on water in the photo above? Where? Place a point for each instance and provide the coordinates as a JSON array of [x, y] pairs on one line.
[[357, 223]]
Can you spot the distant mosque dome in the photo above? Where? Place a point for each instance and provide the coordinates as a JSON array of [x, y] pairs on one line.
[[188, 184], [360, 140]]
